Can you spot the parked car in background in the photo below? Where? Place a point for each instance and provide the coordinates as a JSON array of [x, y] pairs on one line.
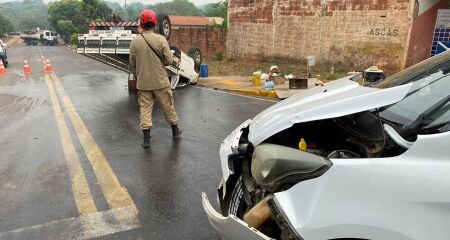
[[343, 161]]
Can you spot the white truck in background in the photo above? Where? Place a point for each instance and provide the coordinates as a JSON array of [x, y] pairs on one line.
[[49, 38], [45, 37], [30, 37]]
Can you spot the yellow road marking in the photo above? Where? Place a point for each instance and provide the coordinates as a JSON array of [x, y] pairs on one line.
[[80, 188], [93, 225], [230, 82], [116, 195]]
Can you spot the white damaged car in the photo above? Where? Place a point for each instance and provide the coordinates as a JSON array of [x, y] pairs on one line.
[[374, 163]]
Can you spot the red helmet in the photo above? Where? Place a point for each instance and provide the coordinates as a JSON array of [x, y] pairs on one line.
[[148, 16]]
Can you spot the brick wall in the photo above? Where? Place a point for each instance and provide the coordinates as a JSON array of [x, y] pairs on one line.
[[210, 41], [359, 32]]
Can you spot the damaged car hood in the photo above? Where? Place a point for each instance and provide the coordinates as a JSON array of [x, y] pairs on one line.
[[335, 99]]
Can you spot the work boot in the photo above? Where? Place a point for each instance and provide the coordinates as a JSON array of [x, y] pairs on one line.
[[176, 132], [146, 139]]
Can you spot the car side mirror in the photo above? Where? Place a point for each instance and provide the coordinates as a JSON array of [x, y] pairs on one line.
[[396, 137]]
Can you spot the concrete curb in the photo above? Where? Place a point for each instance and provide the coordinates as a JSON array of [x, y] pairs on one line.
[[260, 93], [263, 94]]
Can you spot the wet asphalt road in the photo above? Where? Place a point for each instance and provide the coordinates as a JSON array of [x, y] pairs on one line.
[[43, 195]]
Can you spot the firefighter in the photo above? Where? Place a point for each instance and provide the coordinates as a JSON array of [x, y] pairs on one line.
[[149, 54]]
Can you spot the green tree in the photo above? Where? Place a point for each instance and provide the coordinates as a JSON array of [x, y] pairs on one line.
[[5, 26], [28, 14], [216, 9], [134, 9], [177, 7], [66, 29], [118, 11], [219, 9], [96, 9], [73, 16], [67, 10]]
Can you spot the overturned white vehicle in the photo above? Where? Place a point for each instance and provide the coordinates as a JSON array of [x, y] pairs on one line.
[[375, 163], [109, 43]]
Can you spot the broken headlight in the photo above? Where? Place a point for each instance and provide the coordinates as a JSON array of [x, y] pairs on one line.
[[276, 167]]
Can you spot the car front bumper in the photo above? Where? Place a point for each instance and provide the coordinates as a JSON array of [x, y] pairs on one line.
[[231, 227], [229, 147]]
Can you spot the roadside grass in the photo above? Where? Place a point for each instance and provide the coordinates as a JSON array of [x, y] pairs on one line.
[[246, 67]]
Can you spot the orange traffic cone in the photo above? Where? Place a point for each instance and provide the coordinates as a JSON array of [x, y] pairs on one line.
[[48, 67], [2, 68], [26, 67]]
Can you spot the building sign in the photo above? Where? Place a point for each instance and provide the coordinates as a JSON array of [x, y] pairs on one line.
[[388, 32], [441, 37]]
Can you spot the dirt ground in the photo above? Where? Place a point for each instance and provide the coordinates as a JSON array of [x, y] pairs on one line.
[[245, 67], [11, 41]]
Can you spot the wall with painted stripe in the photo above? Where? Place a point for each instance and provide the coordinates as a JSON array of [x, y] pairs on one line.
[[422, 30]]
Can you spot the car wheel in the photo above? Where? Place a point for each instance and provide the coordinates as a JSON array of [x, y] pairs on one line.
[[5, 63], [164, 26], [236, 205], [196, 54]]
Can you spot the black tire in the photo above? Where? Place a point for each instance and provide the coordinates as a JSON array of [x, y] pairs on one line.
[[5, 63], [196, 54], [235, 203], [164, 26]]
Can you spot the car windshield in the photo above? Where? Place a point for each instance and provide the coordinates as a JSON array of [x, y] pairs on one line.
[[426, 105]]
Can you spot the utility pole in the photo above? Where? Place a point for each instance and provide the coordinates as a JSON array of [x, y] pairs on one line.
[[126, 12]]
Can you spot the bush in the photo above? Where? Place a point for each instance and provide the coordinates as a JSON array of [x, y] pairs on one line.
[[218, 56], [74, 38]]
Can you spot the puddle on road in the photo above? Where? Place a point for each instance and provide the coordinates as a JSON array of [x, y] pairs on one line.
[[11, 105]]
